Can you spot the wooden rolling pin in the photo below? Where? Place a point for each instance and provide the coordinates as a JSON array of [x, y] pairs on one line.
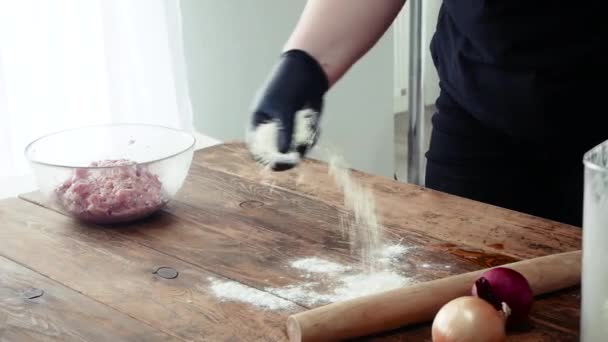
[[420, 302]]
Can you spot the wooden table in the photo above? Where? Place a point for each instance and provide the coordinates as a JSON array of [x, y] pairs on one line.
[[63, 280]]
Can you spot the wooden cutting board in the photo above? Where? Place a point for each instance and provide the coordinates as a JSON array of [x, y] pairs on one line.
[[70, 281]]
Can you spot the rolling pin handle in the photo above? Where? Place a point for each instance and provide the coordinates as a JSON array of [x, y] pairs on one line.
[[293, 330]]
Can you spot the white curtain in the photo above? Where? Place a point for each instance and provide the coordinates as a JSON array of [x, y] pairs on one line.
[[68, 63]]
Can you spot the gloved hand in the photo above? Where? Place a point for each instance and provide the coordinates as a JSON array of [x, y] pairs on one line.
[[285, 118]]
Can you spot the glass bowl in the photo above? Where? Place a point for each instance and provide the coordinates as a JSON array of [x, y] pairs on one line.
[[111, 173]]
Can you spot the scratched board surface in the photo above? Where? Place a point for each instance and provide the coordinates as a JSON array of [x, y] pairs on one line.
[[237, 227]]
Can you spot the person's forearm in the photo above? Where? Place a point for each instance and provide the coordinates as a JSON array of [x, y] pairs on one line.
[[339, 32]]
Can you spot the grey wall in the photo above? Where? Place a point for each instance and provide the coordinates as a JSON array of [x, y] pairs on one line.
[[230, 48]]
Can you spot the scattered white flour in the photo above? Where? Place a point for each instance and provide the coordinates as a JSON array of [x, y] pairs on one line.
[[344, 284], [365, 284], [346, 287], [302, 293], [392, 251], [232, 290], [391, 254], [363, 226], [316, 265]]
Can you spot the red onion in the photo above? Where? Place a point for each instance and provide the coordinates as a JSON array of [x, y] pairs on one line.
[[504, 285]]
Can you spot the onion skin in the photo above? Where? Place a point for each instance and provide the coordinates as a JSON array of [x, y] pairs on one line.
[[502, 284], [468, 319]]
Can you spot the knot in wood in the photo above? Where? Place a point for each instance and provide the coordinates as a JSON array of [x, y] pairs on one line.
[[166, 272], [32, 293], [251, 204]]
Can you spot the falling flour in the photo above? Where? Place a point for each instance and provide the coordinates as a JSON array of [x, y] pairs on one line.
[[333, 282], [361, 224], [265, 177]]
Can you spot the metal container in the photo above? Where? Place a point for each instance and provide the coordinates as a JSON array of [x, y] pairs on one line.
[[594, 282]]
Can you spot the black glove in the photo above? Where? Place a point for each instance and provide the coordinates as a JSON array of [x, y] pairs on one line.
[[284, 124]]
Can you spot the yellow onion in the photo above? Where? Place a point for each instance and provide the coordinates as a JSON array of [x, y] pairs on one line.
[[469, 319]]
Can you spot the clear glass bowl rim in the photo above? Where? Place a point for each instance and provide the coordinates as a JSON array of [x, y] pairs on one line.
[[27, 150]]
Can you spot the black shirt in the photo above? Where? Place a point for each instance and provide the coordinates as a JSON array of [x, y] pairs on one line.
[[527, 68]]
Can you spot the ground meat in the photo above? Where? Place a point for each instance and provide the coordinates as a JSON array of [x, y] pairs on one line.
[[124, 192]]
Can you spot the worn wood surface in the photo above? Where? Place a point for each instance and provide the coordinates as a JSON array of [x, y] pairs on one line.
[[119, 272], [36, 308], [413, 208], [231, 221]]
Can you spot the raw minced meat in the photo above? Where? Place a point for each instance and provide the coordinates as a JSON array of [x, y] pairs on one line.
[[121, 190]]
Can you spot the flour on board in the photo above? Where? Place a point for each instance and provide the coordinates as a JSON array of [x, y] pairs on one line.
[[317, 265], [234, 291], [343, 282], [340, 283]]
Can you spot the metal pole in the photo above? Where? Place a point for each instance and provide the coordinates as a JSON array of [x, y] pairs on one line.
[[416, 100]]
